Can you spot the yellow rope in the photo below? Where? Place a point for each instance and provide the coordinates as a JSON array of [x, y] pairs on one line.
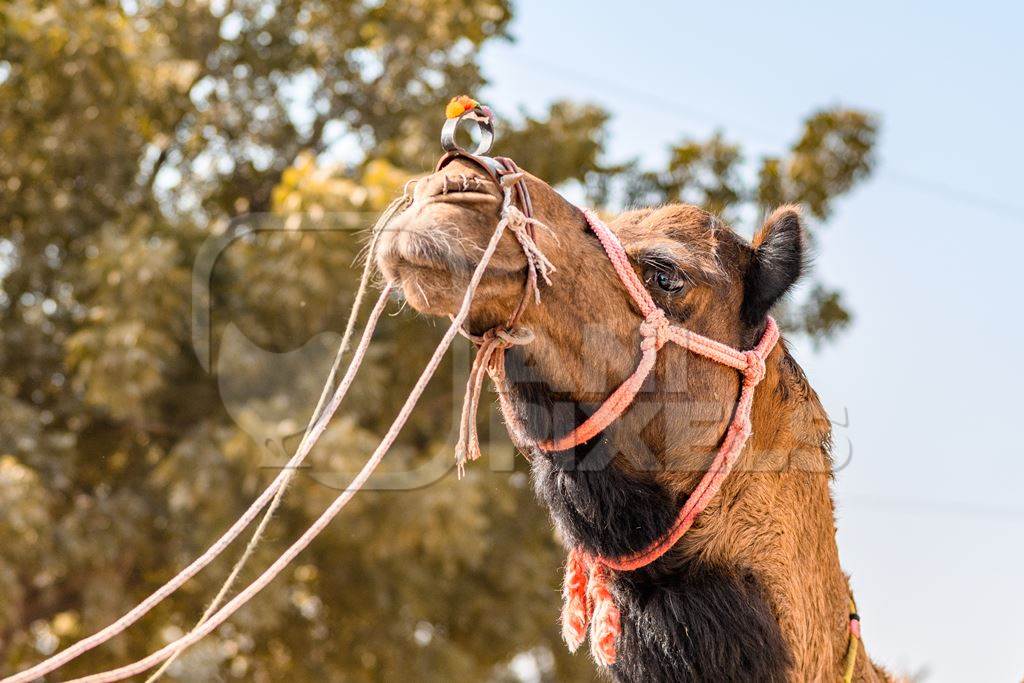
[[851, 651]]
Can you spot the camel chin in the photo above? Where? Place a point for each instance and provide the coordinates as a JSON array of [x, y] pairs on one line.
[[429, 290]]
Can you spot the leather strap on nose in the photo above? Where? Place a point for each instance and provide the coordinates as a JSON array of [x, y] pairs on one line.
[[495, 167], [489, 164]]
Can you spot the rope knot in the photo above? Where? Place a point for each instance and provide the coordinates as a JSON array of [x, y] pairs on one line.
[[490, 360], [654, 330], [522, 226], [755, 370], [515, 336]]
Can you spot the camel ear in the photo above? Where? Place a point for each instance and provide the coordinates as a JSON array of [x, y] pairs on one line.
[[777, 263]]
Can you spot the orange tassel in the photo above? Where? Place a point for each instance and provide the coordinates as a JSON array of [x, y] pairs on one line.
[[575, 605], [606, 624], [588, 603]]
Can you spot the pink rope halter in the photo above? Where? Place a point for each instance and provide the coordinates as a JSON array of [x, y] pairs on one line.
[[588, 601]]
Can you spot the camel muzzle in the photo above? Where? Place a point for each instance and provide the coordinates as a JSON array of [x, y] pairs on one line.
[[430, 248]]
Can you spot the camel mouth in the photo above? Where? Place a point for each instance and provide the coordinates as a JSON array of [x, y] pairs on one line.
[[432, 267], [411, 251], [467, 197]]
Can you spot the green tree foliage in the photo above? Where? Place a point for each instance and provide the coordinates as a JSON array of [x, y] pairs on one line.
[[135, 134], [576, 131]]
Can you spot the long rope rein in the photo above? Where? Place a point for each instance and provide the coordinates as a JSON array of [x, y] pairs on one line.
[[271, 492], [220, 545], [318, 411], [317, 527], [325, 518]]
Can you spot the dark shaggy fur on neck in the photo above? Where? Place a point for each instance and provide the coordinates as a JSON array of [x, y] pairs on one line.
[[539, 412], [594, 504], [694, 622], [601, 509], [702, 623]]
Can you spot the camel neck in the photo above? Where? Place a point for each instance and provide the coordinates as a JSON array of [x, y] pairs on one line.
[[773, 522]]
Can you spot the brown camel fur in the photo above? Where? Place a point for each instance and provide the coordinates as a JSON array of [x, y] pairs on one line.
[[760, 566]]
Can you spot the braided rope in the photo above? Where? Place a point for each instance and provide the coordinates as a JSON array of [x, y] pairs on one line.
[[272, 495], [197, 565], [576, 610], [257, 535], [606, 624]]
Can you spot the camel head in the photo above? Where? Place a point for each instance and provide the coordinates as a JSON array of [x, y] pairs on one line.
[[619, 491]]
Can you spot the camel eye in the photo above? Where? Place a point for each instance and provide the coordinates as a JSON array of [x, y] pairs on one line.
[[668, 282]]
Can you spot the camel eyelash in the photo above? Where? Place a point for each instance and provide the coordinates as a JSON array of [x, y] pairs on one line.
[[679, 263], [660, 259], [654, 263]]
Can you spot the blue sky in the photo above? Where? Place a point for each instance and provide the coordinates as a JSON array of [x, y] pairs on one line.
[[928, 253]]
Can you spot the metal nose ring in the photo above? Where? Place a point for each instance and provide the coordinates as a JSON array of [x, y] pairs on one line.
[[484, 124]]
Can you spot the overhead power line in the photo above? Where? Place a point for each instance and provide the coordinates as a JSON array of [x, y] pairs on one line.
[[670, 105]]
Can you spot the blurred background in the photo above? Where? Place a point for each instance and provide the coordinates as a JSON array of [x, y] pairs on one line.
[[132, 133]]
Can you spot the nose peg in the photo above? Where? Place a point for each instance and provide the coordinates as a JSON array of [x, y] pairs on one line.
[[463, 108]]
